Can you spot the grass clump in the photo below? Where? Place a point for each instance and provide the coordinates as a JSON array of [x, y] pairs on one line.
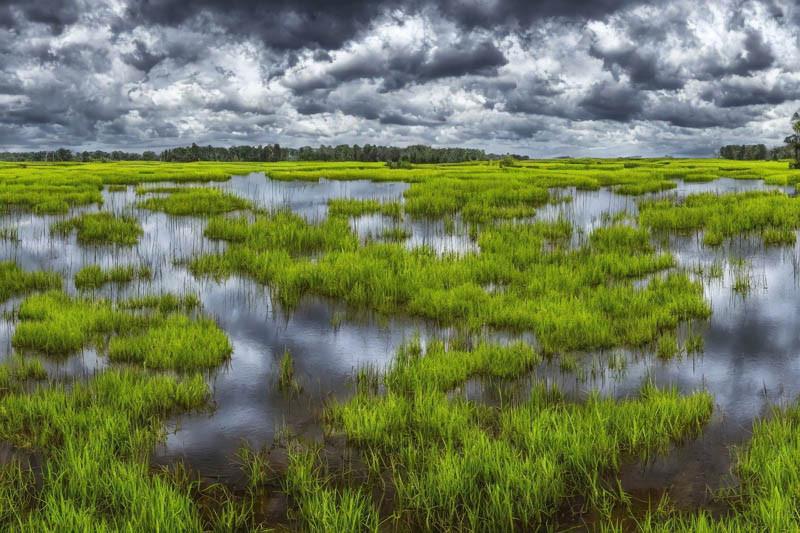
[[667, 346], [176, 341], [101, 228], [14, 281], [163, 303], [773, 216], [442, 369], [195, 201], [636, 189], [319, 507], [778, 237], [52, 323], [93, 276], [766, 498], [47, 194], [395, 234], [286, 381], [20, 369], [457, 465], [55, 324], [283, 231], [571, 299], [350, 207], [95, 438]]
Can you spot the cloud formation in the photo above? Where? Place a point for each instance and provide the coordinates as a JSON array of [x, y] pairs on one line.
[[545, 78]]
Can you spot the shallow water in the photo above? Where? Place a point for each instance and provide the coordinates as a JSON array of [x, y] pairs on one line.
[[750, 361], [247, 403]]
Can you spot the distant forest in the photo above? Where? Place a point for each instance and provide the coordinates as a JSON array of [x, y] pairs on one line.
[[418, 153], [755, 152]]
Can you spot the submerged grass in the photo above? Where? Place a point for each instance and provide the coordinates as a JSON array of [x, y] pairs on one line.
[[93, 276], [19, 370], [395, 234], [194, 201], [355, 208], [14, 281], [9, 234], [286, 381], [101, 228]]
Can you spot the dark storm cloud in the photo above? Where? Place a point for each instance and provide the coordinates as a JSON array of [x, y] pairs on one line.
[[754, 56], [611, 101], [282, 24], [525, 76], [694, 116], [477, 14], [642, 68], [55, 13], [142, 58], [465, 57], [297, 24], [749, 91]]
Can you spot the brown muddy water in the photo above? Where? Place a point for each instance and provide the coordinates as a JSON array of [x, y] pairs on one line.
[[751, 357]]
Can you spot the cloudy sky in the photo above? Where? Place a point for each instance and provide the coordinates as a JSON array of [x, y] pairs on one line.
[[538, 77]]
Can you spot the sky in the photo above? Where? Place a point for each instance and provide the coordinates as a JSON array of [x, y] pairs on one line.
[[543, 78]]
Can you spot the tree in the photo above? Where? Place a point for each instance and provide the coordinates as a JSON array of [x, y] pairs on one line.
[[794, 140]]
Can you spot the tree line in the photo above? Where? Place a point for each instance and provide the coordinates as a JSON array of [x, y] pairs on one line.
[[418, 153], [791, 149], [754, 152]]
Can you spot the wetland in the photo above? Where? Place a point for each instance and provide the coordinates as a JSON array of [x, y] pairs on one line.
[[587, 344]]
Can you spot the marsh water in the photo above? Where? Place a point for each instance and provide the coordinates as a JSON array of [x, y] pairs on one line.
[[751, 358]]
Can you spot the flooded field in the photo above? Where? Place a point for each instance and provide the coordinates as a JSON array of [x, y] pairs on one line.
[[331, 363]]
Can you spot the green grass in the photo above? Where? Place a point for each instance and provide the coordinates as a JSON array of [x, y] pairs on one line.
[[95, 438], [395, 234], [283, 231], [772, 216], [14, 281], [55, 324], [9, 234], [175, 342], [52, 323], [319, 507], [766, 498], [164, 303], [570, 298], [28, 191], [18, 370], [355, 208], [424, 455], [194, 201], [286, 380], [457, 465], [636, 189], [101, 228], [667, 346], [93, 276]]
